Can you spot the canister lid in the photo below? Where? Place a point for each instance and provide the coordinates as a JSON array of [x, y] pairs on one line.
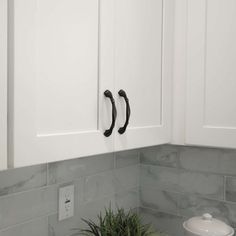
[[206, 225]]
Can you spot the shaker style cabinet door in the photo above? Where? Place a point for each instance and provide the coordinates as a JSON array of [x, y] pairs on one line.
[[143, 70], [211, 73], [57, 80]]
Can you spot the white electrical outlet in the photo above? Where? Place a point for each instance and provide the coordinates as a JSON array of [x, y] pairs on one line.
[[66, 202]]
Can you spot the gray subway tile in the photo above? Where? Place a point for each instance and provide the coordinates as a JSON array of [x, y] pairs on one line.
[[200, 159], [165, 155], [110, 182], [65, 171], [21, 179], [214, 160], [37, 227], [21, 207], [208, 185], [126, 158], [230, 189], [126, 178], [128, 199], [159, 200], [159, 177], [98, 186], [179, 180]]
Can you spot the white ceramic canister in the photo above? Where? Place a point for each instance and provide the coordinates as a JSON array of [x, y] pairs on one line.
[[206, 225]]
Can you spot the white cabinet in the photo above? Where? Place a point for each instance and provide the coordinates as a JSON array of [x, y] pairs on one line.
[[63, 55], [211, 73], [143, 69], [57, 79]]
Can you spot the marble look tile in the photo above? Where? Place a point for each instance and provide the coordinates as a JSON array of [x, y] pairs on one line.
[[164, 222], [200, 159], [194, 206], [37, 227], [98, 186], [164, 155], [207, 185], [127, 158], [128, 199], [21, 179], [110, 182], [177, 180], [65, 171], [159, 177], [92, 209], [21, 207], [220, 161], [230, 189], [126, 178], [159, 200]]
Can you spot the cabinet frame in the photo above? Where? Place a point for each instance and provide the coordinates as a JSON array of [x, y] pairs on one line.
[[3, 83]]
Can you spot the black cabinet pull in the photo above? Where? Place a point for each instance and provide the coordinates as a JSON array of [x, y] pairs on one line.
[[122, 93], [108, 94]]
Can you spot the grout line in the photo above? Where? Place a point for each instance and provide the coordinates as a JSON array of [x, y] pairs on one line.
[[47, 174], [139, 179], [139, 156], [114, 160], [224, 189]]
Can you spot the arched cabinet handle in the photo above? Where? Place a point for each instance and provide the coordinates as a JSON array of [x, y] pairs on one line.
[[108, 94], [122, 93]]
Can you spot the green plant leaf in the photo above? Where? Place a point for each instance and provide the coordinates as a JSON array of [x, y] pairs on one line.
[[116, 223]]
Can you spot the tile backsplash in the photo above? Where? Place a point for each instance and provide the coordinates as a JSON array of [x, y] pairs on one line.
[[29, 196], [166, 183], [178, 182]]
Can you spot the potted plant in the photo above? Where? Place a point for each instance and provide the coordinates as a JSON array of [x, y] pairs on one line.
[[117, 223]]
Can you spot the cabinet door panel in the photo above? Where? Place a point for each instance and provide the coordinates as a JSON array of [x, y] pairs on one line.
[[66, 66], [58, 83], [141, 56], [211, 107]]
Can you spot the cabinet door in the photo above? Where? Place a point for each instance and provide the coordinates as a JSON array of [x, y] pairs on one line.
[[143, 47], [58, 77], [211, 73]]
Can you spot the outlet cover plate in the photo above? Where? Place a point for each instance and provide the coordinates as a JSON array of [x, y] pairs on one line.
[[66, 202]]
